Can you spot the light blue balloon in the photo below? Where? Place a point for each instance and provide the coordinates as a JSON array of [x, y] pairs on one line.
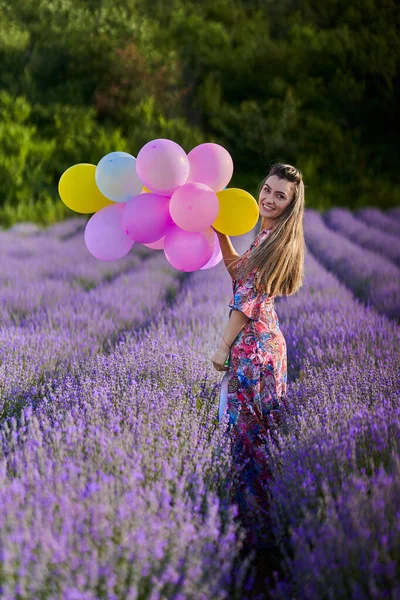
[[116, 177]]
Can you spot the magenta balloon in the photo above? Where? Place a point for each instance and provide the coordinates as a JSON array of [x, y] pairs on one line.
[[162, 166], [146, 217], [194, 206], [216, 256], [188, 250], [157, 245], [104, 235], [212, 165]]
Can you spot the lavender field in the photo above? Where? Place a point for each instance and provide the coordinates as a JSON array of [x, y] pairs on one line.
[[114, 470]]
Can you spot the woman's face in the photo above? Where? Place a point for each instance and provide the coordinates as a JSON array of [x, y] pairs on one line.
[[274, 197]]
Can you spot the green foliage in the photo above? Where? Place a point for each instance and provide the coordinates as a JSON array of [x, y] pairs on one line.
[[316, 85], [24, 156], [147, 122]]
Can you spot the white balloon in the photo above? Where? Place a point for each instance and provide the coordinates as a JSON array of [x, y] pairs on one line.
[[116, 176]]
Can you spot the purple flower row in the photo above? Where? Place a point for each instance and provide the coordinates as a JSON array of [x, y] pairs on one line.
[[335, 501], [372, 278], [48, 320], [381, 221], [115, 483], [41, 258], [366, 236], [393, 212], [67, 228]]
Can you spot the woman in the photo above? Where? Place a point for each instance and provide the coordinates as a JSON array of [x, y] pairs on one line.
[[253, 348]]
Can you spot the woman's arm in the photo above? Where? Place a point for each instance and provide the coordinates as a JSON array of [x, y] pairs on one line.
[[228, 251], [235, 325]]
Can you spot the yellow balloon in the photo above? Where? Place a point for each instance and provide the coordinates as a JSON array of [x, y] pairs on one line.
[[78, 190], [146, 189], [238, 212]]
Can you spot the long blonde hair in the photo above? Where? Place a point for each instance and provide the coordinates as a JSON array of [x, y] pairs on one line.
[[279, 258]]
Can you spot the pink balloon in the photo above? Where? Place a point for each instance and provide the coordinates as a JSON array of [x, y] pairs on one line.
[[157, 245], [194, 206], [146, 217], [212, 165], [188, 250], [104, 235], [217, 254], [162, 166]]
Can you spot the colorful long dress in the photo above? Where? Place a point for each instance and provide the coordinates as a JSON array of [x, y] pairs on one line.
[[252, 392]]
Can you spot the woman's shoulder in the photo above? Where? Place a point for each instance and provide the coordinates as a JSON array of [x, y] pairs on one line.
[[259, 238], [247, 281], [263, 234]]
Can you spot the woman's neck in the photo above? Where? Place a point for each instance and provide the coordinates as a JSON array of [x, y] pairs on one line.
[[267, 223]]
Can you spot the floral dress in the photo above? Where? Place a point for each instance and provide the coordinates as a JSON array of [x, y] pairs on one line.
[[252, 392]]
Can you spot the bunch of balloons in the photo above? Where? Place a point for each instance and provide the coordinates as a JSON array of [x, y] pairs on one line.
[[165, 199]]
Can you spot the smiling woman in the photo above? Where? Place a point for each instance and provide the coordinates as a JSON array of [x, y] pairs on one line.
[[272, 202], [254, 386]]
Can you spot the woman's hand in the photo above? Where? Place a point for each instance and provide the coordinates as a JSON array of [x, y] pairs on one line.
[[219, 358], [218, 232]]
